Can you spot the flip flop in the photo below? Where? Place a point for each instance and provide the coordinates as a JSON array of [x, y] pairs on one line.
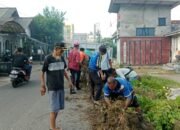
[[57, 128]]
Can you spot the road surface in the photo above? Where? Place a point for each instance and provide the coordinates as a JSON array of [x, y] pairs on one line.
[[23, 108]]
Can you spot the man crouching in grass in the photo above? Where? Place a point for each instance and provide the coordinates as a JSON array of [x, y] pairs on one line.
[[119, 87], [54, 67]]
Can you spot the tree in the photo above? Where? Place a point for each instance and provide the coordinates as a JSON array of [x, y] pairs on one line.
[[48, 27]]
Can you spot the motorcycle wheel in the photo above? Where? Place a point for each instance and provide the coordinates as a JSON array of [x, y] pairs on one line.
[[14, 84]]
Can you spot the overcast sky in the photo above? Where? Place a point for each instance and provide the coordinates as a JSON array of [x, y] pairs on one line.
[[82, 13]]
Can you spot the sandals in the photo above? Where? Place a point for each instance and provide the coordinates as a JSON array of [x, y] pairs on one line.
[[56, 129]]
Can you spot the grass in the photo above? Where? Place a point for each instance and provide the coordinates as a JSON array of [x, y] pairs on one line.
[[152, 92]]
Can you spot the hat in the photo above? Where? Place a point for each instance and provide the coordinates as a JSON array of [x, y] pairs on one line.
[[60, 45], [76, 44]]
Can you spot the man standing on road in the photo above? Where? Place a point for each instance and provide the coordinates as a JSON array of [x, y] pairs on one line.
[[54, 67], [105, 62], [83, 64], [95, 74], [74, 65]]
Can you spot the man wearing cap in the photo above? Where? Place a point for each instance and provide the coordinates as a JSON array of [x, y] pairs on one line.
[[118, 87], [54, 67], [74, 65]]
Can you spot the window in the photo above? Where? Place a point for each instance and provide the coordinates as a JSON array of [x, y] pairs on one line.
[[162, 21], [145, 31]]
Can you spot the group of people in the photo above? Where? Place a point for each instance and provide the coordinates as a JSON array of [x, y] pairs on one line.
[[113, 83]]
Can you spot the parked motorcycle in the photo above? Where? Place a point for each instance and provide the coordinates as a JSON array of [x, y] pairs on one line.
[[18, 75]]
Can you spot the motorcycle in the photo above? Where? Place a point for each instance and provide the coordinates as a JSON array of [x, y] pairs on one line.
[[18, 75]]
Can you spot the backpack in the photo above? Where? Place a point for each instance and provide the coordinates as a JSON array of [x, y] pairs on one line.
[[130, 70]]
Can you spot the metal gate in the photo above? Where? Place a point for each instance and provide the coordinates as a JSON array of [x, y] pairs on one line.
[[145, 51]]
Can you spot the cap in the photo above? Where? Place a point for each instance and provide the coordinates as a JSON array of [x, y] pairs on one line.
[[76, 43], [103, 49], [60, 45]]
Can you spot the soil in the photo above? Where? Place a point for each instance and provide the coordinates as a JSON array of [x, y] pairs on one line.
[[103, 118], [113, 118]]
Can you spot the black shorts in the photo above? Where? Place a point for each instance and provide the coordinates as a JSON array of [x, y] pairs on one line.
[[134, 102], [94, 78]]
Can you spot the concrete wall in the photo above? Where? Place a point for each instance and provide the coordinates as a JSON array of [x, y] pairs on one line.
[[91, 46], [131, 17], [80, 37], [175, 46], [28, 31]]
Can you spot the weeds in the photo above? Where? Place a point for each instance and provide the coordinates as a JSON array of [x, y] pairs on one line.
[[161, 112]]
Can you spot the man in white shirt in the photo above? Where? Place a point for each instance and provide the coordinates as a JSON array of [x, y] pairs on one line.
[[104, 62], [126, 73]]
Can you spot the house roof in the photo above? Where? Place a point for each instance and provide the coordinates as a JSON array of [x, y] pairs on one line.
[[174, 33], [10, 22], [115, 4], [11, 27], [24, 22], [8, 13]]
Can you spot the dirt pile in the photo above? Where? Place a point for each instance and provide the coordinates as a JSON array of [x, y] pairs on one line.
[[113, 118]]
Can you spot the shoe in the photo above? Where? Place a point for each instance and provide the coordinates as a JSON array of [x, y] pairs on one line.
[[78, 88], [72, 91], [96, 102], [27, 78]]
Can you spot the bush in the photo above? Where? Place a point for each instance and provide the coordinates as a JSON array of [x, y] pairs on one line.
[[161, 112]]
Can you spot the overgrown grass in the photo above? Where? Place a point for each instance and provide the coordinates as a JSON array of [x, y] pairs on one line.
[[152, 93]]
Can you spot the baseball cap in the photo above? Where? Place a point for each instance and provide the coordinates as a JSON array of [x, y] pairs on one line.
[[60, 45], [76, 43]]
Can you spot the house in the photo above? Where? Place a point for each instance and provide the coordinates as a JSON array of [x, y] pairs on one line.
[[68, 33], [141, 29], [80, 37], [13, 29], [175, 44]]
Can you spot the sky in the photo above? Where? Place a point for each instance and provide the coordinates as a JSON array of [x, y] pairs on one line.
[[82, 13]]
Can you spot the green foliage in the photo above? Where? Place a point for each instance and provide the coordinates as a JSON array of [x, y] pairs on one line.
[[164, 114], [161, 112], [48, 27]]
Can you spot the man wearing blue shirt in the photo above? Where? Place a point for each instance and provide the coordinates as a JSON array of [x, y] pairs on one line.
[[118, 87], [94, 77]]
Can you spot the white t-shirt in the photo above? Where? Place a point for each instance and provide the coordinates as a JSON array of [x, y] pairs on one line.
[[123, 71], [105, 62]]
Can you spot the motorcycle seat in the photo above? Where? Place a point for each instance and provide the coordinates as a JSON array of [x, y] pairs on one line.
[[17, 68]]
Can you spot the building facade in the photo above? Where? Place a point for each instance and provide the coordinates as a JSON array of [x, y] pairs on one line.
[[68, 33], [80, 37], [175, 44], [13, 29], [141, 29]]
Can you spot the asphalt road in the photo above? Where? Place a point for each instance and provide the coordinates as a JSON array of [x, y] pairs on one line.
[[23, 108]]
